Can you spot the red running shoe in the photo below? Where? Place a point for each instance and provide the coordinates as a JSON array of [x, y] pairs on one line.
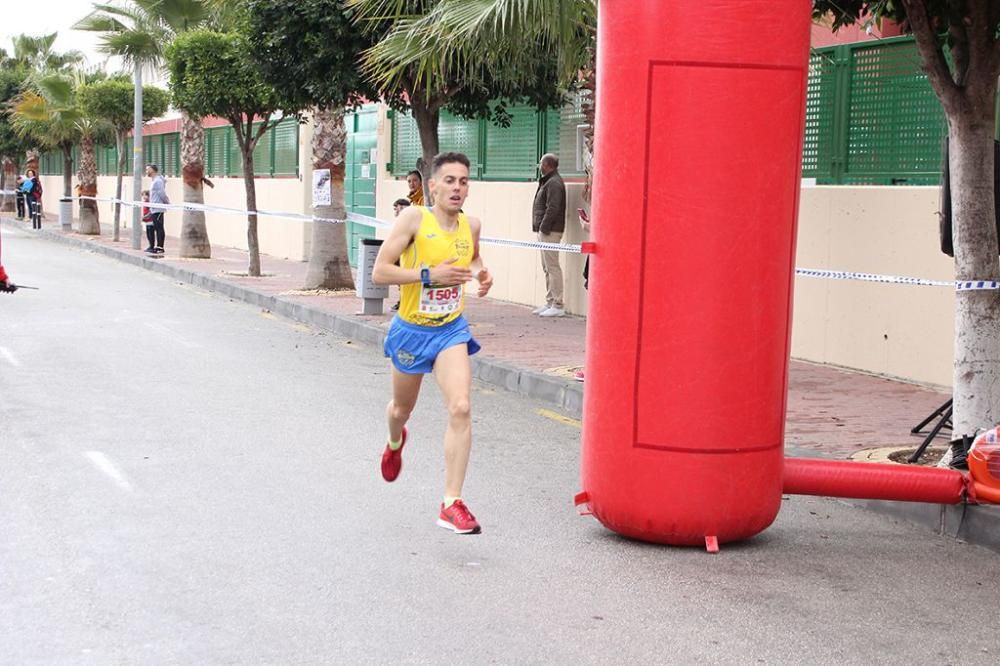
[[392, 461], [578, 375], [458, 519]]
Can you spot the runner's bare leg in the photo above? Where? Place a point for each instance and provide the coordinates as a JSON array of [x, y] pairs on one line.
[[405, 390], [453, 373]]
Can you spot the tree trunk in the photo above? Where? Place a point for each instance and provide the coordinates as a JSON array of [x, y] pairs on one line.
[[31, 160], [427, 126], [8, 201], [253, 244], [67, 151], [90, 222], [329, 266], [977, 344], [120, 145], [194, 232]]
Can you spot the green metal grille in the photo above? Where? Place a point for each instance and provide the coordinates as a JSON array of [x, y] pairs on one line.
[[895, 119], [563, 133], [817, 147]]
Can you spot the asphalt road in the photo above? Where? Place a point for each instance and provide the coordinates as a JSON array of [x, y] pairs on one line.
[[189, 480]]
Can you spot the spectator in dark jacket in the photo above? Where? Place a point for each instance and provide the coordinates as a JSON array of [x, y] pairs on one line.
[[548, 213], [19, 198]]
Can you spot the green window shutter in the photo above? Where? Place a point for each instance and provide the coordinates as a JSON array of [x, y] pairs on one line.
[[512, 152], [235, 165], [406, 148], [457, 135], [215, 151], [171, 154], [286, 148], [262, 154]]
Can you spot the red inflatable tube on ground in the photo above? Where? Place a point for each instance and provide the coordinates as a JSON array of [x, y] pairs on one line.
[[840, 478], [697, 171]]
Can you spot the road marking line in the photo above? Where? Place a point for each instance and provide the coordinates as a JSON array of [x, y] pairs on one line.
[[102, 463], [7, 354], [555, 416]]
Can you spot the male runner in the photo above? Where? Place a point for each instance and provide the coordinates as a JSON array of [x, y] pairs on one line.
[[438, 252]]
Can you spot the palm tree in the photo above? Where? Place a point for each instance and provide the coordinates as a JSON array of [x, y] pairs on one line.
[[35, 53], [433, 48], [138, 31], [49, 112]]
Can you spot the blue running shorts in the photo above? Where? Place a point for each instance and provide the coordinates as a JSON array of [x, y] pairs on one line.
[[413, 349]]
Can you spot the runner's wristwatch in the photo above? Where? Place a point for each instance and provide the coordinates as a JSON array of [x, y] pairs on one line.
[[425, 276]]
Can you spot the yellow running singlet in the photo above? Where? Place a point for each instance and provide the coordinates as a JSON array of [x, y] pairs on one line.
[[438, 304]]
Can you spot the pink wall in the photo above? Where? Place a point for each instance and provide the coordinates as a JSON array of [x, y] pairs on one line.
[[823, 36]]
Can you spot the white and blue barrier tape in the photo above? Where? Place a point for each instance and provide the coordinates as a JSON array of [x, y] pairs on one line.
[[958, 285]]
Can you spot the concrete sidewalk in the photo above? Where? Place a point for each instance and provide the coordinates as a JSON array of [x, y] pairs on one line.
[[832, 413]]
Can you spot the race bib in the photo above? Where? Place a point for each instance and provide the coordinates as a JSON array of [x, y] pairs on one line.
[[435, 300]]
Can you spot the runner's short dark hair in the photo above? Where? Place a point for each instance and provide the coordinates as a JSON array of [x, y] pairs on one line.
[[153, 167], [401, 202], [416, 173], [449, 158]]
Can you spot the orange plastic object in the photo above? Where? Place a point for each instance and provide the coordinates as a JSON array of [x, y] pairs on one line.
[[984, 466], [697, 171]]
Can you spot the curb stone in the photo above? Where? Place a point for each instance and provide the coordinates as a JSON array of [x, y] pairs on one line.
[[974, 524], [563, 394]]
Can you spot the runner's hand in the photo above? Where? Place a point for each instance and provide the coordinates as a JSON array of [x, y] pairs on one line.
[[485, 282], [447, 273]]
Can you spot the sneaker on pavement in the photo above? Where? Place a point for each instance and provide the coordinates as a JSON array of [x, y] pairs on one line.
[[458, 519], [540, 309], [553, 312], [150, 250], [578, 375], [158, 250], [392, 461]]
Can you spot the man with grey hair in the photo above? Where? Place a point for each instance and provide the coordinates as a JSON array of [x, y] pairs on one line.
[[548, 220]]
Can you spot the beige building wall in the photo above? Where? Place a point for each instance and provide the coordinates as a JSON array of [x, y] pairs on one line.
[[888, 329], [289, 239]]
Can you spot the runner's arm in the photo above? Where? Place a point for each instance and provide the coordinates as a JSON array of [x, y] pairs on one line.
[[400, 236]]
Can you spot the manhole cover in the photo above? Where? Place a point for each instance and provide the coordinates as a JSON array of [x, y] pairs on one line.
[[900, 454]]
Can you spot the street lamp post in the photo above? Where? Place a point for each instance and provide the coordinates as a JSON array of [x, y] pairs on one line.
[[137, 161]]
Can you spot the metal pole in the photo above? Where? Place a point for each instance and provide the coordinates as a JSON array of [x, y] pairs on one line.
[[138, 162]]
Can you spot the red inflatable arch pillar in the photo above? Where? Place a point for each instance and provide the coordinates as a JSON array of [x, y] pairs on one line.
[[699, 131]]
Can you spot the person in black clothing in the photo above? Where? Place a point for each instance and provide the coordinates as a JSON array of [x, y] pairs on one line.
[[19, 197], [34, 198]]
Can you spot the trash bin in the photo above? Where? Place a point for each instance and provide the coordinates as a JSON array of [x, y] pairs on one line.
[[371, 294]]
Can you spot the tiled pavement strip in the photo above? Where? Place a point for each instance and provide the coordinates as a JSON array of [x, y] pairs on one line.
[[832, 413]]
